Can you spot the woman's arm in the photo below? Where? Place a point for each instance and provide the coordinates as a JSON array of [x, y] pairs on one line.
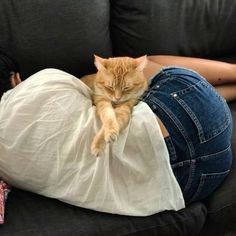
[[216, 72], [220, 74], [15, 79]]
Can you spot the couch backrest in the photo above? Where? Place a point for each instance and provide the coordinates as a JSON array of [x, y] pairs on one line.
[[205, 28], [55, 33], [65, 34]]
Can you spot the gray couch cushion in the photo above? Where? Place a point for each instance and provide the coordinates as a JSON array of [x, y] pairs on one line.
[[222, 204], [186, 27], [56, 33], [29, 214]]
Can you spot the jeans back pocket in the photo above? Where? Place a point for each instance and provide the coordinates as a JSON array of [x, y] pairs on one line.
[[206, 108]]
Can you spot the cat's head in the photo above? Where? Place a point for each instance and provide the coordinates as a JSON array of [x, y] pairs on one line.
[[120, 78]]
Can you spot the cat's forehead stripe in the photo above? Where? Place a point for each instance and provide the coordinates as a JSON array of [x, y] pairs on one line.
[[120, 66]]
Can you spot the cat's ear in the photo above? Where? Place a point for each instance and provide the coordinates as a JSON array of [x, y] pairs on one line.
[[141, 62], [99, 62]]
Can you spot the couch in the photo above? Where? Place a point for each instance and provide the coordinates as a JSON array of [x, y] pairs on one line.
[[65, 34]]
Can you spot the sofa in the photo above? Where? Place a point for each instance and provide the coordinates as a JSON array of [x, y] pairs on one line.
[[65, 34]]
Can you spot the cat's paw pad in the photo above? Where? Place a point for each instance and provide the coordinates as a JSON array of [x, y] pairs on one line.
[[111, 135], [95, 151], [97, 148]]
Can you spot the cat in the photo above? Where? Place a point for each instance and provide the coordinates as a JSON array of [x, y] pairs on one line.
[[117, 87]]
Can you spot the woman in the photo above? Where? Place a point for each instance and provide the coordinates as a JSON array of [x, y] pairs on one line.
[[9, 78], [194, 119], [9, 75]]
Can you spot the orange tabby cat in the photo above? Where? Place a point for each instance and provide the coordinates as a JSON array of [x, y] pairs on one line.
[[117, 86]]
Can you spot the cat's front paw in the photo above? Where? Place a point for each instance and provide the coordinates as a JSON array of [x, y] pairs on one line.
[[98, 146], [96, 151], [111, 134]]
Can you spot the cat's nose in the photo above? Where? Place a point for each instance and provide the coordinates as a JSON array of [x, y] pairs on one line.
[[117, 96]]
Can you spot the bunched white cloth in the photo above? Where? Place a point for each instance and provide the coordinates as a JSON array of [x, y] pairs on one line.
[[47, 124]]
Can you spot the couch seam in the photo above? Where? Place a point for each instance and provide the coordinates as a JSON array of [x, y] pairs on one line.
[[157, 226], [220, 209]]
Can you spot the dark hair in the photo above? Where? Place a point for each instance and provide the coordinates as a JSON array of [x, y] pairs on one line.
[[7, 66]]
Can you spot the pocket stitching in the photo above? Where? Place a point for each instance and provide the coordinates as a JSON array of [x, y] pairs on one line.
[[195, 120], [203, 181]]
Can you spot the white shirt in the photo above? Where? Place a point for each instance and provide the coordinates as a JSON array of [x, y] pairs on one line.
[[47, 124]]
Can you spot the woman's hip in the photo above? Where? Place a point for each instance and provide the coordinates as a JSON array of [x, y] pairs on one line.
[[192, 111], [199, 124]]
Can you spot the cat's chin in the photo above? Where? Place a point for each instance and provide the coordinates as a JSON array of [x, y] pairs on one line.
[[116, 103]]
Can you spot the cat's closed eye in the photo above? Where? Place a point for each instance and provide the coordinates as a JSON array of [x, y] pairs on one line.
[[109, 87], [126, 88]]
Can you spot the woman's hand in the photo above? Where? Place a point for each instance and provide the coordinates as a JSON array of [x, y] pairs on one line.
[[15, 79]]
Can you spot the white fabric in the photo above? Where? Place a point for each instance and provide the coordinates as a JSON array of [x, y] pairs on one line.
[[47, 124]]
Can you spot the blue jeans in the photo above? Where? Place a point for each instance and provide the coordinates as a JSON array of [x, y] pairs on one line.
[[200, 128]]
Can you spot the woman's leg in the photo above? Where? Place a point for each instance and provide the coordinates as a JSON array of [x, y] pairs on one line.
[[228, 91], [216, 72], [220, 74]]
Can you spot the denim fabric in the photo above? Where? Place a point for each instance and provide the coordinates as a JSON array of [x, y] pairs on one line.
[[200, 126]]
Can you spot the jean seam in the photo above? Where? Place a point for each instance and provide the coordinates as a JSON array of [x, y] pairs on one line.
[[195, 120], [157, 80], [213, 155], [196, 74], [171, 149], [190, 177], [178, 124], [203, 179], [192, 116]]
